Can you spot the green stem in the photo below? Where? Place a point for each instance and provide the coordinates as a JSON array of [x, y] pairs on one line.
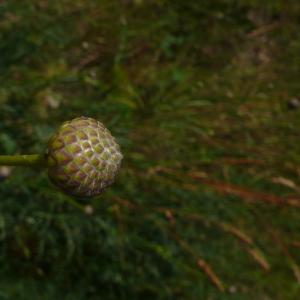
[[22, 160]]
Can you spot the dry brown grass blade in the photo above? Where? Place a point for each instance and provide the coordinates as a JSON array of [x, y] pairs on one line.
[[89, 59], [255, 253], [285, 182], [263, 30], [240, 161], [202, 264], [284, 249], [295, 244], [277, 241], [170, 216], [244, 193], [206, 268], [237, 233], [259, 258], [296, 271], [124, 202]]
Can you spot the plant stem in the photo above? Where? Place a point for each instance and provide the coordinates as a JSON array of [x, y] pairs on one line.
[[22, 160]]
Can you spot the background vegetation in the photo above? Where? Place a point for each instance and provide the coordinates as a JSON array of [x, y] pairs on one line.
[[203, 98]]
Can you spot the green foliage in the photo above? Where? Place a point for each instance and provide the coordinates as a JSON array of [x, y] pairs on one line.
[[188, 88]]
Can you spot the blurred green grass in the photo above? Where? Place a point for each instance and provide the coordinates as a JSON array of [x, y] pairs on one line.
[[197, 95]]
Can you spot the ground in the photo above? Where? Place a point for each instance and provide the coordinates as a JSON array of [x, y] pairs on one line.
[[204, 101]]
